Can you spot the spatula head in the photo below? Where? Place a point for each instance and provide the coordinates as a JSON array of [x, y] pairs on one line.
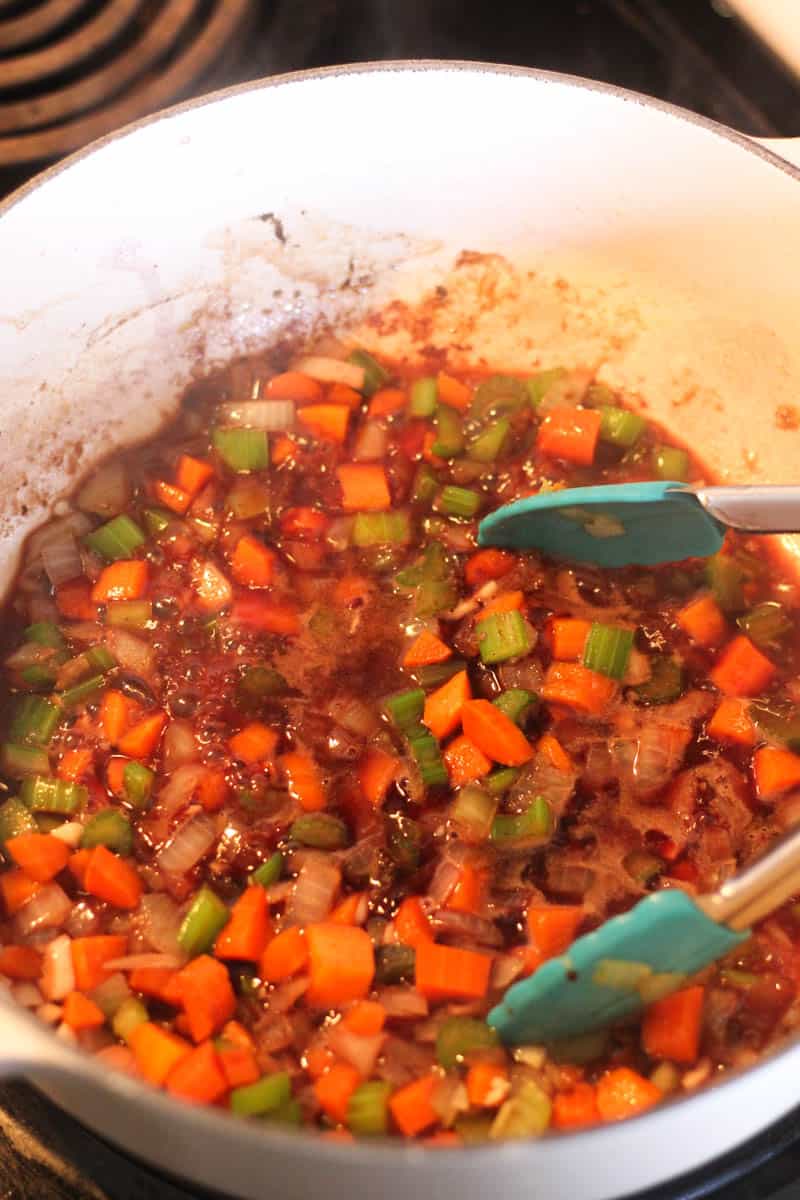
[[613, 526], [665, 932]]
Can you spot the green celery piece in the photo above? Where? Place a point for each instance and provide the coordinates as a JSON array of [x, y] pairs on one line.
[[267, 1095], [15, 819], [268, 872], [726, 577], [449, 433], [321, 830], [404, 709], [290, 1113], [435, 674], [458, 501], [473, 811], [257, 684], [128, 1017], [118, 538], [539, 385], [498, 394], [38, 678], [108, 828], [500, 780], [82, 691], [517, 704], [665, 682], [34, 721], [381, 529], [427, 755], [129, 614], [156, 520], [19, 761], [536, 822], [671, 463], [620, 426], [206, 917], [375, 375], [473, 1130], [502, 636], [582, 1049], [434, 596], [403, 841], [525, 1114], [460, 1037], [778, 722], [368, 1109], [242, 449], [137, 783], [486, 447], [425, 486], [45, 633], [608, 649], [766, 624], [394, 964], [42, 794], [99, 658], [424, 393]]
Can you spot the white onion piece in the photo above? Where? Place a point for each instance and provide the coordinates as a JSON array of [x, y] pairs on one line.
[[62, 560], [66, 1033], [314, 890], [659, 754], [284, 997], [484, 593], [74, 523], [70, 833], [160, 922], [119, 1058], [353, 715], [449, 1098], [49, 1013], [331, 370], [371, 442], [47, 909], [28, 655], [180, 788], [273, 415], [179, 745], [135, 962], [445, 878], [85, 631], [505, 969], [27, 994], [402, 1001], [189, 844], [111, 993], [361, 1052], [338, 535], [58, 976], [131, 653], [106, 492]]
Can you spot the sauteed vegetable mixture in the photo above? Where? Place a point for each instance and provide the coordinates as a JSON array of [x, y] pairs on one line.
[[298, 780]]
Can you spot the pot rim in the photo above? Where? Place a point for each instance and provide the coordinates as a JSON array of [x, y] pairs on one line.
[[68, 1059]]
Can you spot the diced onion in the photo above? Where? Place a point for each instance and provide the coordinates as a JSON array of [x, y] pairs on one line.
[[190, 843], [402, 1002], [111, 993], [285, 996], [179, 745], [70, 833], [67, 1034], [49, 1013], [135, 962], [47, 909], [332, 370], [27, 994], [62, 560], [370, 442], [361, 1052], [58, 976], [131, 653], [315, 887], [160, 920], [505, 969], [272, 415], [75, 524], [445, 878], [180, 788], [106, 492]]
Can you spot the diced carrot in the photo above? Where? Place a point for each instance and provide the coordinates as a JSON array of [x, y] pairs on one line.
[[305, 780], [113, 879], [622, 1093], [410, 925], [570, 434], [212, 589], [775, 771], [495, 734], [386, 402], [568, 637], [341, 962], [377, 771], [551, 930], [114, 711], [307, 524], [80, 1012], [77, 865], [284, 956], [73, 600], [266, 615], [731, 723], [505, 602], [484, 565], [488, 1084], [347, 911], [153, 981], [75, 764], [412, 1106], [199, 1077], [741, 669], [142, 740], [340, 393], [327, 421], [334, 1089], [686, 870], [20, 962], [449, 973], [318, 1059], [294, 385], [254, 743], [253, 563], [192, 474], [171, 496], [235, 1033], [89, 956], [468, 891], [249, 929], [703, 620], [17, 889], [353, 591], [156, 1051], [576, 1108], [39, 855], [284, 449], [551, 749], [465, 762], [425, 650], [207, 995], [671, 1026], [579, 688], [364, 487], [212, 790], [453, 392], [238, 1064], [115, 774], [366, 1018], [123, 580], [443, 707]]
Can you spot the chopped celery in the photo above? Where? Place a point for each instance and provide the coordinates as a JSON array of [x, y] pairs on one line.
[[473, 811], [458, 501], [19, 761], [539, 385], [473, 1130], [620, 975], [52, 795], [128, 1017], [394, 964], [460, 1037], [535, 822], [449, 433], [267, 1095], [726, 577], [321, 830], [381, 529], [289, 1113], [425, 485], [642, 866], [256, 684], [660, 984], [82, 691], [428, 758], [778, 723], [404, 709], [156, 520], [108, 828], [15, 819], [517, 704], [608, 649], [324, 623], [248, 498], [268, 872], [500, 780], [620, 427], [38, 678], [204, 920], [375, 375], [137, 783], [581, 1049], [403, 841], [368, 1108], [34, 721], [765, 624], [45, 633], [435, 674], [424, 393], [98, 658], [486, 447], [502, 636], [665, 682], [118, 538], [525, 1114], [242, 449], [498, 394], [671, 463], [129, 614], [736, 978]]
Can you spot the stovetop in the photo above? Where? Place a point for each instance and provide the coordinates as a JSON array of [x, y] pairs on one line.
[[683, 51]]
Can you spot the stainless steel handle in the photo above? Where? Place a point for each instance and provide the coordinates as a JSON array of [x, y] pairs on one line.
[[760, 888], [756, 509]]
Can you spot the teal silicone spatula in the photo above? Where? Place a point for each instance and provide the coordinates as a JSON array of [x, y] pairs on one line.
[[645, 954], [643, 523]]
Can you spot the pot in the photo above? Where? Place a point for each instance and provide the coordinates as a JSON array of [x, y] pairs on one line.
[[600, 228]]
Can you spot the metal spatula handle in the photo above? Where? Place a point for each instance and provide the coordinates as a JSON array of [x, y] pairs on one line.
[[760, 888], [756, 509]]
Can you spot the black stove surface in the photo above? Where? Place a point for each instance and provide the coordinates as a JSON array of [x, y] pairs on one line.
[[683, 51]]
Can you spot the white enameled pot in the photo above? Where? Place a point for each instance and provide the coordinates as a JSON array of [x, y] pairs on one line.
[[603, 229]]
